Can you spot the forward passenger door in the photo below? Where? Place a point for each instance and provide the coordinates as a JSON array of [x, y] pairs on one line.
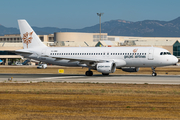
[[151, 54]]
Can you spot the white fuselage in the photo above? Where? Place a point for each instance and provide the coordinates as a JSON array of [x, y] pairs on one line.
[[133, 56], [102, 59]]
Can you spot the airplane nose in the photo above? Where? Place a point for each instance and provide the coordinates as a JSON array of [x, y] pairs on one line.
[[174, 60]]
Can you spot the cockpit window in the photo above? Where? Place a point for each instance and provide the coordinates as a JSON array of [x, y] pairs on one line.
[[165, 53], [168, 53]]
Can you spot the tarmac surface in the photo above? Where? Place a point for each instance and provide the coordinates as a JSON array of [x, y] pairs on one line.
[[124, 79]]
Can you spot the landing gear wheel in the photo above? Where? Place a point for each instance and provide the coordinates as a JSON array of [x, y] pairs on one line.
[[89, 73], [153, 71], [105, 74], [154, 74]]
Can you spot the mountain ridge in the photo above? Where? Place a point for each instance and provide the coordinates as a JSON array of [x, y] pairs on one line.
[[145, 28]]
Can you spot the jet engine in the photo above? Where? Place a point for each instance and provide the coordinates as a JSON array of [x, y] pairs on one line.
[[130, 69], [106, 68]]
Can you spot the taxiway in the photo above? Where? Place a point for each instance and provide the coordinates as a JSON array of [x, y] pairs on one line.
[[129, 79]]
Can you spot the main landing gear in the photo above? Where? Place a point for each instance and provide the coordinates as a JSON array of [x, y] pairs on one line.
[[153, 71], [89, 73], [105, 74]]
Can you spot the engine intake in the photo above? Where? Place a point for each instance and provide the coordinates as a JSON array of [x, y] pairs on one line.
[[106, 67]]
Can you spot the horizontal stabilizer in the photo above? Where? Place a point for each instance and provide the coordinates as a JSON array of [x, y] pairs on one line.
[[23, 51]]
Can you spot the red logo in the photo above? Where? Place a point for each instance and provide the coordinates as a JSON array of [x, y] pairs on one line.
[[135, 50], [27, 38]]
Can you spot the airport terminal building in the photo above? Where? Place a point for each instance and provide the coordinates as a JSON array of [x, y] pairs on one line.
[[9, 43]]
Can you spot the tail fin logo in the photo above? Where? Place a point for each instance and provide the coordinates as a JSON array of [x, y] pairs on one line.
[[27, 38]]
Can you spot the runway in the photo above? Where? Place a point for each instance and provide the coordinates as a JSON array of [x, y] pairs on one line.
[[124, 79]]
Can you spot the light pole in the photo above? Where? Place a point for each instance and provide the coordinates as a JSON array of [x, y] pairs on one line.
[[100, 14]]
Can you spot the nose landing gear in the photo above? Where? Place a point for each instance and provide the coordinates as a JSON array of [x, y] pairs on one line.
[[153, 71]]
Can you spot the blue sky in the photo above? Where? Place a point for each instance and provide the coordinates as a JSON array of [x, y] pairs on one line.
[[82, 13]]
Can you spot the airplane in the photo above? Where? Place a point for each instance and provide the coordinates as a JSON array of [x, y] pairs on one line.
[[103, 59]]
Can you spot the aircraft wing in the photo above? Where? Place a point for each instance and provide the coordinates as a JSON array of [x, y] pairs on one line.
[[77, 59]]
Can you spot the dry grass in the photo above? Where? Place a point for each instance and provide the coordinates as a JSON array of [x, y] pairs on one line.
[[89, 101], [76, 101]]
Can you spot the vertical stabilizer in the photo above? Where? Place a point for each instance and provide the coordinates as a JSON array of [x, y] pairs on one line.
[[29, 37]]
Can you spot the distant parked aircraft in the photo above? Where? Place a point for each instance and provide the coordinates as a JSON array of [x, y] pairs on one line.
[[1, 61], [24, 63]]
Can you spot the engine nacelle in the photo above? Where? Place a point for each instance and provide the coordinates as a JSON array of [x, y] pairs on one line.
[[108, 67], [130, 69]]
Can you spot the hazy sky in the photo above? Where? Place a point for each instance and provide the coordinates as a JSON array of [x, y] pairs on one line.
[[82, 13]]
